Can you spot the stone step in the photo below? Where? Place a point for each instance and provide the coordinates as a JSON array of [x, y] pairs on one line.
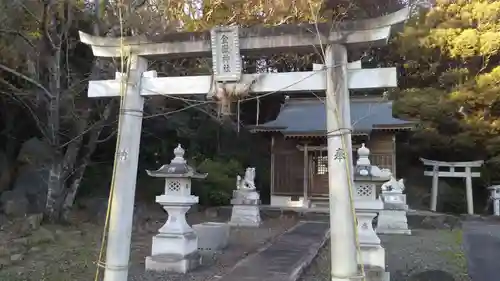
[[285, 258], [325, 205], [320, 202]]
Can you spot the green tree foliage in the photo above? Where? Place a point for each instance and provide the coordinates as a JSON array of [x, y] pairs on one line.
[[451, 80], [217, 188]]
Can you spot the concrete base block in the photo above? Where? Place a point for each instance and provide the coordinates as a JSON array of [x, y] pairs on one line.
[[393, 222], [212, 236], [375, 273], [245, 215], [173, 263], [371, 273], [373, 256], [394, 231], [175, 244]]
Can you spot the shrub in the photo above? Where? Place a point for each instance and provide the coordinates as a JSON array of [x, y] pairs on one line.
[[217, 188]]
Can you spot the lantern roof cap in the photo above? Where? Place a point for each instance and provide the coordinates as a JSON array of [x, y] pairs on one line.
[[365, 171], [178, 168]]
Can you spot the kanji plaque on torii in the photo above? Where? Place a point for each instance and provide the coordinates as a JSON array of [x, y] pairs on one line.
[[226, 57]]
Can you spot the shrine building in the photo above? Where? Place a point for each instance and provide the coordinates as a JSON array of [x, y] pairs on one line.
[[299, 165]]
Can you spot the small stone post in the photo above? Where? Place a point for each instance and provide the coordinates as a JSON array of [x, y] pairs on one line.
[[495, 198], [246, 201], [175, 247], [393, 220]]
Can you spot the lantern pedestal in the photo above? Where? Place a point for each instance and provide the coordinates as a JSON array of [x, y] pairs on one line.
[[393, 220], [246, 210], [175, 247], [366, 233]]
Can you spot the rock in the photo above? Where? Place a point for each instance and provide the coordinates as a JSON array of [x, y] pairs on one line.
[[4, 251], [440, 222], [95, 208], [74, 233], [42, 235], [17, 257], [32, 183], [3, 221], [30, 186], [35, 152], [21, 241], [34, 249], [34, 221], [14, 203], [212, 213], [4, 263], [432, 275], [12, 249], [5, 172]]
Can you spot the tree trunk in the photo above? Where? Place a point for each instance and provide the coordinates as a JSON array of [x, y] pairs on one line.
[[72, 191], [54, 188], [55, 180], [59, 198], [69, 199]]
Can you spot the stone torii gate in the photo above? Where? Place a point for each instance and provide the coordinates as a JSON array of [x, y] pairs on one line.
[[450, 170], [335, 79]]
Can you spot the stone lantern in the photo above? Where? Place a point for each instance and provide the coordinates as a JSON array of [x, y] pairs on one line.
[[175, 247], [367, 204], [495, 198]]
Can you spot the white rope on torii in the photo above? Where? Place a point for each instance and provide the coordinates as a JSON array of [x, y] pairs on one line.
[[227, 86], [226, 93]]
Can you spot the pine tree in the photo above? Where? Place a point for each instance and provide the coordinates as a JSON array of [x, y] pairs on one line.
[[451, 80]]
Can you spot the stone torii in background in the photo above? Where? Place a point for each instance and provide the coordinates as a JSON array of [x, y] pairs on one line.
[[334, 79], [452, 170]]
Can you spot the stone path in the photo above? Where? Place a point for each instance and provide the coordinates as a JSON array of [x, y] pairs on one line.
[[482, 247], [285, 258]]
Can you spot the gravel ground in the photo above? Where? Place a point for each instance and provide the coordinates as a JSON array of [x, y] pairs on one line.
[[62, 253], [406, 256], [242, 242]]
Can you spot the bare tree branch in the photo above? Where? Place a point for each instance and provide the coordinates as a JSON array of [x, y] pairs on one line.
[[37, 120], [18, 33], [32, 81]]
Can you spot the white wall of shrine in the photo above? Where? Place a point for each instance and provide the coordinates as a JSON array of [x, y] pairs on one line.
[[286, 201]]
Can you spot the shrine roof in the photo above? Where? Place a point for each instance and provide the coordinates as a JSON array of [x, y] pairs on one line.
[[308, 117]]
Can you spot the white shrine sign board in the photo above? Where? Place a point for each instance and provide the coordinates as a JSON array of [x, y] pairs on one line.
[[226, 64]]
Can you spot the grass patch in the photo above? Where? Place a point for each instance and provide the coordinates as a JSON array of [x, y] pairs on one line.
[[457, 255], [68, 256]]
